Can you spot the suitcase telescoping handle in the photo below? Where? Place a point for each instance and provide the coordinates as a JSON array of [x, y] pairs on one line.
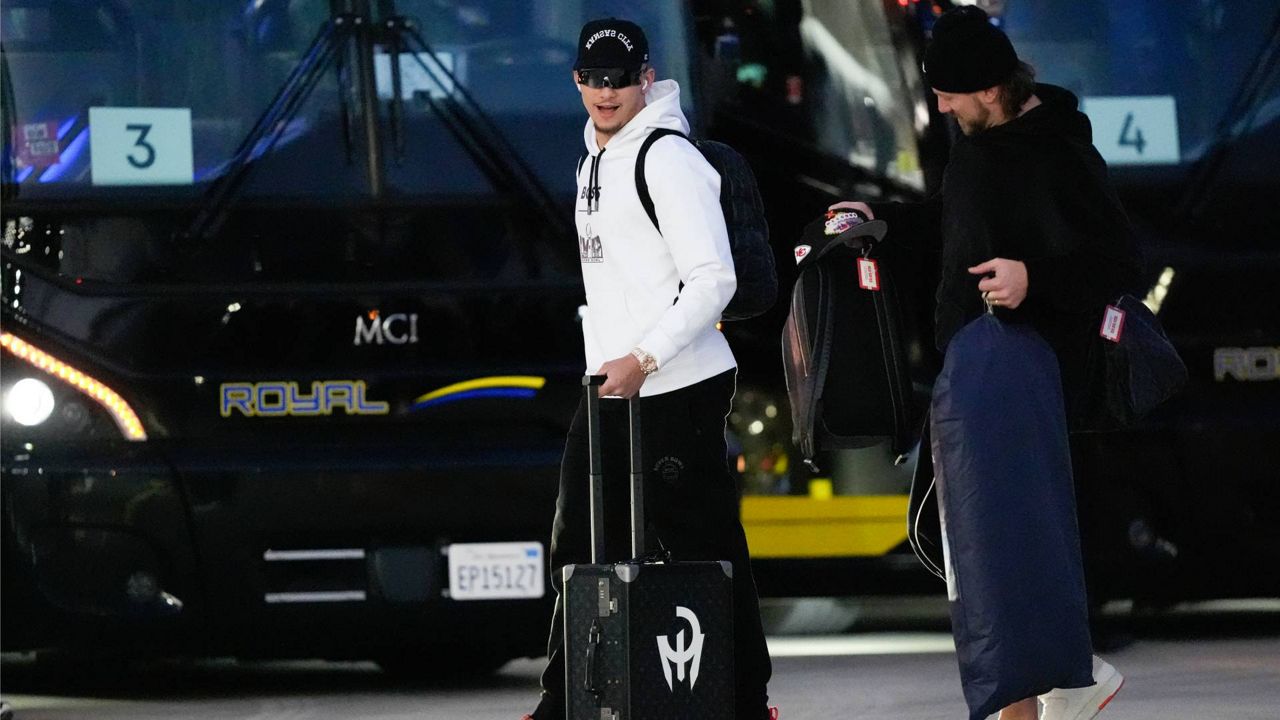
[[591, 385]]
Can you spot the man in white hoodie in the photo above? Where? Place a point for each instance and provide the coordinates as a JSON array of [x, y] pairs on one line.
[[653, 301]]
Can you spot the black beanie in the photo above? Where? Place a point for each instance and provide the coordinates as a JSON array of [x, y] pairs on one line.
[[968, 53]]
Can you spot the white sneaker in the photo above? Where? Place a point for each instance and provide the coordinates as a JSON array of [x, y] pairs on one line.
[[1086, 702]]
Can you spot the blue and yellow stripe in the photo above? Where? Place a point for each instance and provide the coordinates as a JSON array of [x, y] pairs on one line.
[[499, 386]]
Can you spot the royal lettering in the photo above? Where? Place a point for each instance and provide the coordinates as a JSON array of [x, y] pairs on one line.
[[287, 399], [1255, 364]]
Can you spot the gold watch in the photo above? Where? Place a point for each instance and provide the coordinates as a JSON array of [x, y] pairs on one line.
[[648, 363]]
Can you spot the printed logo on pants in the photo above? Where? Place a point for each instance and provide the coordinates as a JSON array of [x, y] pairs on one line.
[[669, 468], [679, 656]]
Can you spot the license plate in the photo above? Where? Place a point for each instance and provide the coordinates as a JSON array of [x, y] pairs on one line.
[[496, 571]]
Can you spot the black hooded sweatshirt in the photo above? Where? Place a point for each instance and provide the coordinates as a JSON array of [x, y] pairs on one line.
[[1032, 189]]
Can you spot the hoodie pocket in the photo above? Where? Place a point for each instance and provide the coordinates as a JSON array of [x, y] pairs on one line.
[[643, 313], [609, 319]]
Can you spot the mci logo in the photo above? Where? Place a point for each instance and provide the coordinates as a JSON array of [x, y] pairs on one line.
[[680, 656], [396, 329]]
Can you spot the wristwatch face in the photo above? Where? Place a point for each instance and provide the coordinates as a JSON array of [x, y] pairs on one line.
[[648, 363]]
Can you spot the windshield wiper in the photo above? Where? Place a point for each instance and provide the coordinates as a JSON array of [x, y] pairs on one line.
[[266, 132], [474, 129]]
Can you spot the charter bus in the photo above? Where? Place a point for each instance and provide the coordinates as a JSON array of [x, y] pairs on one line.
[[291, 320], [291, 328], [291, 309], [1184, 101]]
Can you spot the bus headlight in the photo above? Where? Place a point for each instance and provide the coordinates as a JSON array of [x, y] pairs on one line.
[[29, 402], [30, 406]]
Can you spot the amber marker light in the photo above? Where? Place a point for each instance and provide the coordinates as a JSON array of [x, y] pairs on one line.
[[126, 419]]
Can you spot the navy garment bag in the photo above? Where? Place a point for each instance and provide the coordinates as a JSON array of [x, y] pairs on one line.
[[1008, 513]]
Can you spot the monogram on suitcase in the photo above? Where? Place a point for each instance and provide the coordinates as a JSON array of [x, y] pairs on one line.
[[644, 640]]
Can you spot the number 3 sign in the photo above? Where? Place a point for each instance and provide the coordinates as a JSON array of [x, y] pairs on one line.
[[140, 146]]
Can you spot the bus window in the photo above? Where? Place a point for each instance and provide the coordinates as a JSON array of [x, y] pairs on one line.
[[1194, 57], [221, 62], [103, 88], [515, 60], [863, 107]]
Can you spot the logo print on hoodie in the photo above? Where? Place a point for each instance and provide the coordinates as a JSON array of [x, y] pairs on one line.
[[590, 249]]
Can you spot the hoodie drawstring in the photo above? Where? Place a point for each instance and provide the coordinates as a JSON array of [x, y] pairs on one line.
[[593, 180]]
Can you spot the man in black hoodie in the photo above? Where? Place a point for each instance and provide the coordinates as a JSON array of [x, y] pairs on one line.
[[1027, 223]]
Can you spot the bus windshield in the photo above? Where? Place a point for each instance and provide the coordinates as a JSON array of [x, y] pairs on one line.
[[98, 89]]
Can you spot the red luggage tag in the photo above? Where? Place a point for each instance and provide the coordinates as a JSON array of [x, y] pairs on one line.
[[868, 274], [1112, 324]]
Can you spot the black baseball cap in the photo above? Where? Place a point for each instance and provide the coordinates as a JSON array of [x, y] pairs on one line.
[[835, 228], [612, 43]]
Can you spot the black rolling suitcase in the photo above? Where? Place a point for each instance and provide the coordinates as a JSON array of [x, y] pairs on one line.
[[644, 640]]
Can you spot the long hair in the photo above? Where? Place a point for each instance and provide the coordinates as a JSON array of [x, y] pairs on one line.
[[1019, 88]]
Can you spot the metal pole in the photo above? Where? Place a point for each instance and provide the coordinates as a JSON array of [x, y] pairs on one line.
[[591, 384], [390, 22], [368, 94], [637, 481]]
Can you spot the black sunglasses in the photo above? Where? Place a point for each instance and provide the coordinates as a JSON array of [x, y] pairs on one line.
[[615, 78]]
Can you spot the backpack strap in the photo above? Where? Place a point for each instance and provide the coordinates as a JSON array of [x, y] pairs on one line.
[[642, 186]]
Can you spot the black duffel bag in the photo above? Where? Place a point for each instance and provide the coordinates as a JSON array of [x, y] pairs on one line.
[[1135, 367]]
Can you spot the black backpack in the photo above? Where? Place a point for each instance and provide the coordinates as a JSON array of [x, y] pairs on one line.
[[743, 217], [843, 348]]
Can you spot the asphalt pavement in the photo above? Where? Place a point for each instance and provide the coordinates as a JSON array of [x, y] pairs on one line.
[[1211, 665]]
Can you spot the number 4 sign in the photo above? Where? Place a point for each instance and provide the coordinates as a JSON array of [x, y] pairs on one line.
[[1135, 130], [140, 146]]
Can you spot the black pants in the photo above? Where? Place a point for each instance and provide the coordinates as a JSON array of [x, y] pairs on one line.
[[692, 511]]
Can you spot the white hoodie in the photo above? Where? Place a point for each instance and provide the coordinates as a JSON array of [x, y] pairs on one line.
[[633, 273]]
